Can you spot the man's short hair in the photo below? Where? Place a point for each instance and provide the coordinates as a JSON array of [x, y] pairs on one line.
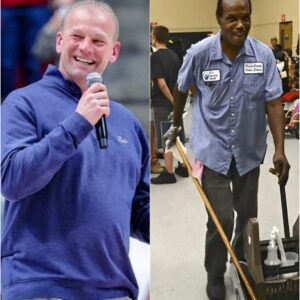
[[219, 11], [98, 5], [161, 34]]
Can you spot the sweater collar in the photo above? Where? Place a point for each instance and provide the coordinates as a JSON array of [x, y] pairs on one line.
[[54, 74]]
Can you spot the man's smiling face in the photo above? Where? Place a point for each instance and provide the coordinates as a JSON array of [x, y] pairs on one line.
[[86, 43], [235, 22]]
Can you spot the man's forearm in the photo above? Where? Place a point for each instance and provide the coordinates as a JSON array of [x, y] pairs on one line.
[[165, 90], [179, 103], [276, 123]]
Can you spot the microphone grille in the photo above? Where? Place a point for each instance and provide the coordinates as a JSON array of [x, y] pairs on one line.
[[92, 78]]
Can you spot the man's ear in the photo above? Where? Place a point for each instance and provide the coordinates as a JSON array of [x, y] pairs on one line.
[[115, 53], [218, 19], [59, 37]]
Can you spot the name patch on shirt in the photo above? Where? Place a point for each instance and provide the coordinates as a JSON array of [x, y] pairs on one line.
[[254, 68], [211, 75]]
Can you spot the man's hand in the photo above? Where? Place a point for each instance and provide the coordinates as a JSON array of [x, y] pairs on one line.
[[170, 136], [281, 168], [94, 103]]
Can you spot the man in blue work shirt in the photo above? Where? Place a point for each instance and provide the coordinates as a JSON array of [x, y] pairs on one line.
[[236, 84]]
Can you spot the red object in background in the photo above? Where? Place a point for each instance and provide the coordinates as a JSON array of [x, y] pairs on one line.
[[15, 3], [21, 74], [283, 18], [290, 96]]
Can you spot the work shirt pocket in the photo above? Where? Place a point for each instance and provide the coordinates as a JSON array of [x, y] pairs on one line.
[[253, 89], [213, 94]]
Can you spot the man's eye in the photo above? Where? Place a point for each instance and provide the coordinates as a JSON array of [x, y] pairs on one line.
[[231, 19], [98, 42], [76, 36]]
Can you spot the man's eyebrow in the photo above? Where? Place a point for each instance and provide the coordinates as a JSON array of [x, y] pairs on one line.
[[99, 35]]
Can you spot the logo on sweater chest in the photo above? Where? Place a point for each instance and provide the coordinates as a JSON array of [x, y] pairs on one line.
[[121, 139]]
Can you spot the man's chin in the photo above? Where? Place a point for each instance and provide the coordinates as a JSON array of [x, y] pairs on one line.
[[238, 41]]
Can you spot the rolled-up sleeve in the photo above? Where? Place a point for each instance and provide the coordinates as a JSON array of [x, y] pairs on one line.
[[273, 87], [186, 73]]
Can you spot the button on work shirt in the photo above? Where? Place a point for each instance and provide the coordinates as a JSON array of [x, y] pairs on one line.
[[229, 114]]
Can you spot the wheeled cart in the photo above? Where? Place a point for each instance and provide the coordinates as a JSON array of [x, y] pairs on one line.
[[268, 283]]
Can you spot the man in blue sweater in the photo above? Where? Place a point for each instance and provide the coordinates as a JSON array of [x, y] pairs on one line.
[[70, 207]]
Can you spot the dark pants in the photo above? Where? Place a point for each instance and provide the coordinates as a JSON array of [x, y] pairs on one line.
[[226, 194]]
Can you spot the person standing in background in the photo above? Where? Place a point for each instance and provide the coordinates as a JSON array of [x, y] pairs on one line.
[[44, 46], [21, 21], [165, 65]]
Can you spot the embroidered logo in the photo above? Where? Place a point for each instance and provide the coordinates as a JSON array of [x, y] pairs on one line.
[[122, 140]]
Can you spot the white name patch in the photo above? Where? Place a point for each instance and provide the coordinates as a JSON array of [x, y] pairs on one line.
[[211, 75], [254, 68]]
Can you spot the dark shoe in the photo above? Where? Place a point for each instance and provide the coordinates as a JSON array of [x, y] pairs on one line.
[[215, 287], [156, 167], [160, 155], [181, 170], [164, 177]]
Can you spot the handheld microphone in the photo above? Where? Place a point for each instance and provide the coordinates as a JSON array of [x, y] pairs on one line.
[[101, 130]]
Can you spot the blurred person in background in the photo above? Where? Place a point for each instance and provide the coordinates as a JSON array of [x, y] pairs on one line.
[[275, 46], [291, 66], [156, 167], [283, 68], [165, 65], [21, 21], [70, 207], [44, 47]]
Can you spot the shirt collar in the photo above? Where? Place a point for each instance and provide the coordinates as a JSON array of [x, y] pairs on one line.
[[217, 52]]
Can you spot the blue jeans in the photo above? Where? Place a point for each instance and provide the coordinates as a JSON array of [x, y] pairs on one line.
[[20, 26]]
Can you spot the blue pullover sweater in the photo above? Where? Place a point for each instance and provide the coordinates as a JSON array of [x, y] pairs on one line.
[[70, 206]]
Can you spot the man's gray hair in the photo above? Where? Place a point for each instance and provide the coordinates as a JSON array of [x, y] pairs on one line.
[[98, 5]]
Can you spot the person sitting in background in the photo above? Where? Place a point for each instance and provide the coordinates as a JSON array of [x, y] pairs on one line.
[[291, 66], [275, 46], [283, 69]]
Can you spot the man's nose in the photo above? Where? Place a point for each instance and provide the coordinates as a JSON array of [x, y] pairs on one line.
[[240, 23], [85, 45]]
